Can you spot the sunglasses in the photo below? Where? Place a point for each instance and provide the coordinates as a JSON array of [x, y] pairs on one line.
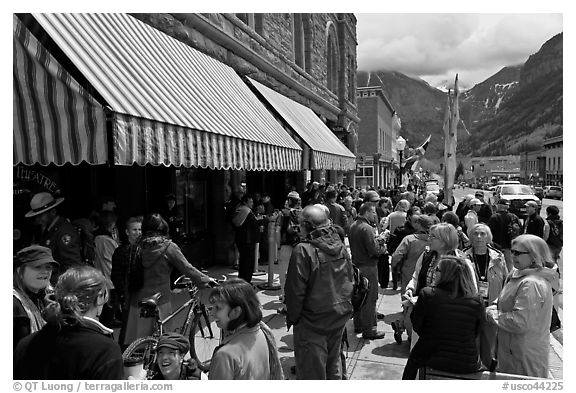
[[516, 252]]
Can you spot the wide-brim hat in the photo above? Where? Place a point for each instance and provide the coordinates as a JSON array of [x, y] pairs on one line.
[[42, 202]]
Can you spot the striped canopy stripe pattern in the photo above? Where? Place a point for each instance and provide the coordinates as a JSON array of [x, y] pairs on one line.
[[328, 152], [173, 104], [54, 119]]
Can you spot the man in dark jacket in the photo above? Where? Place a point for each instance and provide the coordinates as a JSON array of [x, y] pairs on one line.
[[318, 296], [247, 235], [498, 224], [364, 249], [485, 211], [534, 224], [57, 233]]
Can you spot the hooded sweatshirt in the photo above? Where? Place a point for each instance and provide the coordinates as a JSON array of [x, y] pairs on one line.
[[524, 313], [319, 282]]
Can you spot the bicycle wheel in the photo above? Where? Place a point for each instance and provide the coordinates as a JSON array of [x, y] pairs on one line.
[[202, 346], [142, 348]]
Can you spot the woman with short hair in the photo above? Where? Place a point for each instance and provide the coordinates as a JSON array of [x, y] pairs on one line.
[[73, 344], [524, 309], [491, 272]]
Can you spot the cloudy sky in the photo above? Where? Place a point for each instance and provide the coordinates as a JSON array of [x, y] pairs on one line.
[[435, 47]]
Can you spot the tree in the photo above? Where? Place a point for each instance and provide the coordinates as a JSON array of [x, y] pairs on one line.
[[459, 170]]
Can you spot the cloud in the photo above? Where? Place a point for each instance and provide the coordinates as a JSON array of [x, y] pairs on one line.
[[436, 46]]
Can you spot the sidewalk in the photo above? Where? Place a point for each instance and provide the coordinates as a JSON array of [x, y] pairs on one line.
[[366, 359]]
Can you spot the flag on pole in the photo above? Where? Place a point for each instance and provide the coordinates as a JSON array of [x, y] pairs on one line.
[[420, 150], [450, 142]]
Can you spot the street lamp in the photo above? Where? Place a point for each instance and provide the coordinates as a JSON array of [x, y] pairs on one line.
[[400, 145]]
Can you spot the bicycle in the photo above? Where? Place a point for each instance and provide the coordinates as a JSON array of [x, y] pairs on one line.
[[202, 346]]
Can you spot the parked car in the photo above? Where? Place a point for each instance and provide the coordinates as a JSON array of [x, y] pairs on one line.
[[553, 192], [517, 195], [539, 192]]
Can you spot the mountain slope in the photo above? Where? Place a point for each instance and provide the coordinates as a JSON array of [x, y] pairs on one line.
[[419, 105], [530, 113]]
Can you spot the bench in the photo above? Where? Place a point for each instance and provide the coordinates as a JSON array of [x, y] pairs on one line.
[[430, 373]]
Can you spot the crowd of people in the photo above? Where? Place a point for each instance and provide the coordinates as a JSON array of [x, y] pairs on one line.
[[475, 294]]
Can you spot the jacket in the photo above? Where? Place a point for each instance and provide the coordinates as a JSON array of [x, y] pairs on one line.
[[447, 330], [62, 238], [407, 254], [245, 354], [498, 224], [26, 313], [319, 282], [84, 351], [104, 249], [497, 271], [534, 225], [523, 319], [159, 257], [337, 214], [247, 226], [363, 244]]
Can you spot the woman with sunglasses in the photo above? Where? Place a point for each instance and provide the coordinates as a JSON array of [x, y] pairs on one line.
[[443, 241], [524, 309], [448, 317], [491, 272]]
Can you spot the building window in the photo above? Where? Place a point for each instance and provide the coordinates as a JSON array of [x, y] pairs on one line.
[[259, 24], [243, 17], [332, 58], [351, 79], [302, 41]]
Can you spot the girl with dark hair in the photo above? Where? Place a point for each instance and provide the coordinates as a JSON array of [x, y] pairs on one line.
[[158, 257], [73, 344], [248, 349], [448, 318]]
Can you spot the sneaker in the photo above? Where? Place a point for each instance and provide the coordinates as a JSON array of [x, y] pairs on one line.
[[376, 335], [397, 333]]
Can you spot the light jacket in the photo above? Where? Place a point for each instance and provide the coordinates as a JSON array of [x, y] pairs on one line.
[[246, 353], [407, 254], [523, 319], [497, 271]]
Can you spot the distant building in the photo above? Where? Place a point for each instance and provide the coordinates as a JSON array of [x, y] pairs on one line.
[[498, 167], [553, 158], [378, 130], [533, 167]]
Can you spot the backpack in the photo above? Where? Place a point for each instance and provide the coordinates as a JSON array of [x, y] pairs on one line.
[[513, 229], [555, 236], [360, 289]]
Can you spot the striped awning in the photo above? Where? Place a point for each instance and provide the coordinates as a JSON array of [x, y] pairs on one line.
[[328, 152], [54, 119], [174, 105]]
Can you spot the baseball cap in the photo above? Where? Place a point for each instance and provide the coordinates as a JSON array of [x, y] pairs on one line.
[[173, 341], [479, 194], [502, 201], [293, 194], [371, 196], [34, 255], [531, 204], [476, 201]]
